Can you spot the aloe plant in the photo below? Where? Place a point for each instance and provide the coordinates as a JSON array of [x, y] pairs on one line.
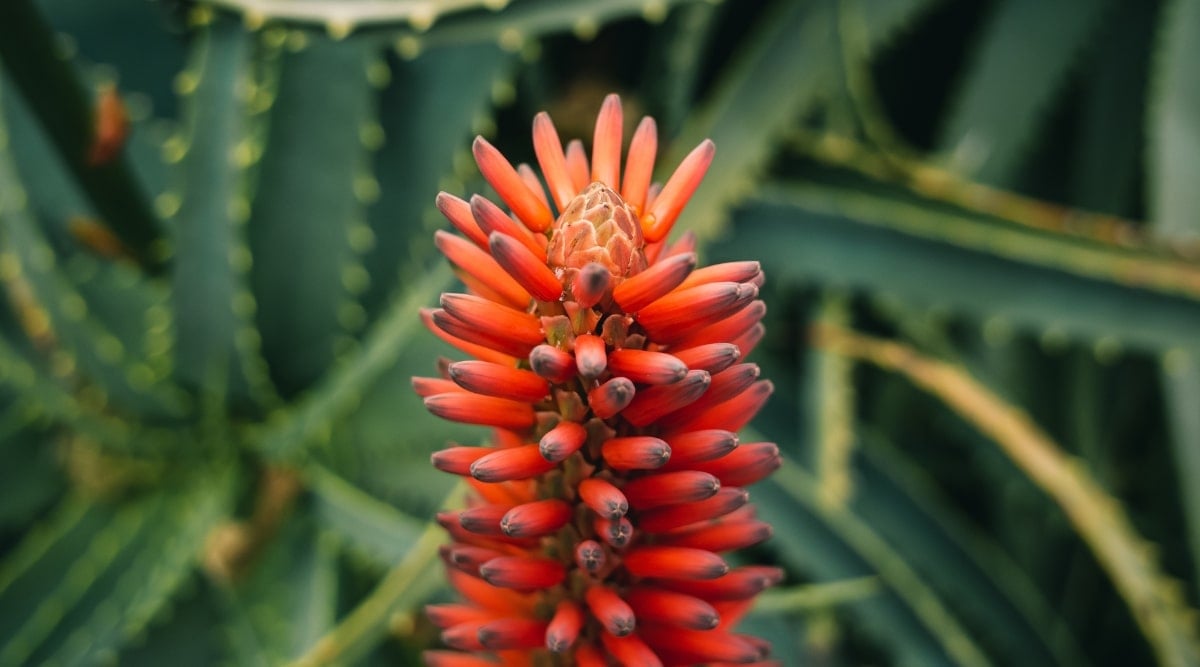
[[979, 222]]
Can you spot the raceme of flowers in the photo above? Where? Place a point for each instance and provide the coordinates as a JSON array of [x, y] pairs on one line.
[[611, 371]]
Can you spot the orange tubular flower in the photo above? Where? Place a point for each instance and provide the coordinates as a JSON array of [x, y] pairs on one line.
[[612, 373]]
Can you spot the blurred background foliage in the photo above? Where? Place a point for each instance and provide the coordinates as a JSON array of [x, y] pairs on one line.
[[980, 223]]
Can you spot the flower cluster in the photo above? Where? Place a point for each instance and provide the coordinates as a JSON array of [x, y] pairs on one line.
[[612, 373]]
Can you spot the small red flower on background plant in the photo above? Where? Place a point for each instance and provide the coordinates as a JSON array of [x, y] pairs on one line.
[[611, 371]]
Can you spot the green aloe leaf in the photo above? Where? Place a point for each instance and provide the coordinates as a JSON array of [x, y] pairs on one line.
[[1020, 64], [830, 544], [1173, 161], [288, 601], [789, 62], [369, 527], [216, 345], [425, 126], [79, 588], [61, 317], [50, 85], [309, 199], [926, 257]]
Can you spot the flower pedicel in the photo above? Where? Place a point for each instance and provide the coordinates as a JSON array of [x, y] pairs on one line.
[[611, 372]]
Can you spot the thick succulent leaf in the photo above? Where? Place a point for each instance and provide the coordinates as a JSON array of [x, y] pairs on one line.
[[217, 349], [51, 87], [1108, 153], [926, 257], [311, 187], [30, 476], [1174, 124], [288, 601], [370, 528], [312, 418], [789, 61], [992, 596], [57, 314], [1020, 64], [1173, 162], [830, 544], [425, 126], [405, 586], [78, 588], [118, 35]]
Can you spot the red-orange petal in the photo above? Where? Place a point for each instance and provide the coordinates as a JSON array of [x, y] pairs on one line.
[[524, 267], [639, 452], [685, 646], [654, 402], [591, 284], [425, 387], [589, 656], [670, 488], [503, 465], [557, 366], [646, 367], [562, 441], [530, 178], [670, 517], [458, 212], [616, 533], [474, 349], [659, 562], [653, 605], [549, 150], [447, 615], [479, 264], [732, 272], [483, 519], [611, 397], [454, 659], [745, 465], [606, 143], [712, 357], [523, 573], [536, 519], [739, 583], [591, 356], [639, 166], [731, 415], [589, 556], [564, 626], [723, 331], [614, 614], [682, 310], [724, 386], [490, 379], [457, 460], [603, 498], [467, 557], [492, 218], [502, 349], [494, 319], [512, 633], [577, 164], [508, 184], [678, 189], [483, 410], [630, 650], [654, 283], [720, 536], [699, 446]]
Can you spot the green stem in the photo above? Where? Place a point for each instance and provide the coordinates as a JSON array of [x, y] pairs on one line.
[[812, 597]]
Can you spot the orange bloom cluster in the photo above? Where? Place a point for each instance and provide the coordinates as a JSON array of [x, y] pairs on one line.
[[611, 371]]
